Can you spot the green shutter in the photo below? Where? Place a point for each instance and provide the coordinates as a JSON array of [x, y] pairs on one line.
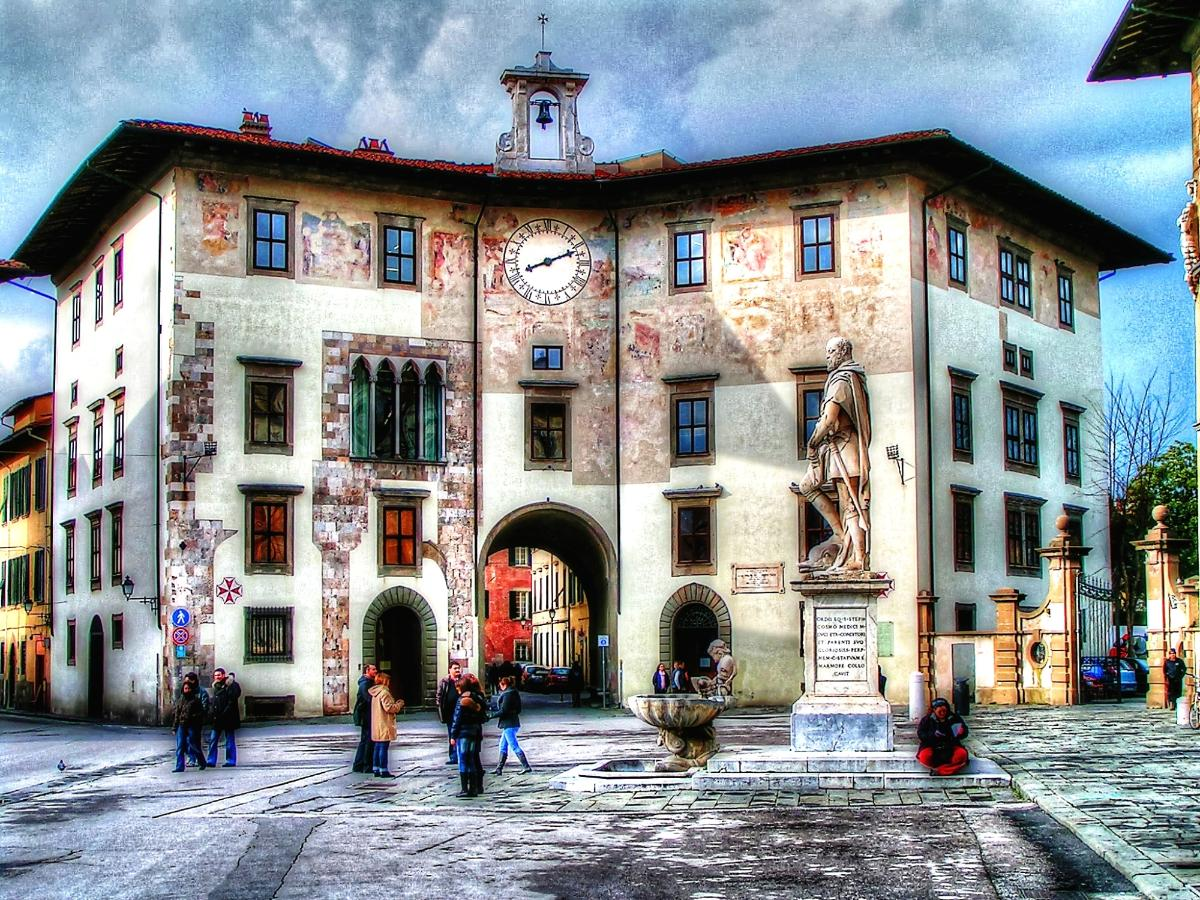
[[360, 412]]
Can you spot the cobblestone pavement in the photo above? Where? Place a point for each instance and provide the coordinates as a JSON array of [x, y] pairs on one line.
[[1123, 778], [292, 821]]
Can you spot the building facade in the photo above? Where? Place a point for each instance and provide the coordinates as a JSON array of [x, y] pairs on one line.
[[376, 373], [507, 607]]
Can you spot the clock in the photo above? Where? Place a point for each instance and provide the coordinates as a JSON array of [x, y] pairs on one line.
[[547, 261]]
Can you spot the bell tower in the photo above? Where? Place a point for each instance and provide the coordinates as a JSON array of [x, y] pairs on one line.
[[545, 133]]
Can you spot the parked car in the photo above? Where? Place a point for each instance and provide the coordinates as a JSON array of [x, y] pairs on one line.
[[535, 678], [560, 677], [1104, 675]]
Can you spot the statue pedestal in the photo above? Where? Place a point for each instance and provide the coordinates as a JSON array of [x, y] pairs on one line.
[[842, 709]]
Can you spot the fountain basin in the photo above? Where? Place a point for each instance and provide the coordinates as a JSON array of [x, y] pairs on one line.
[[684, 723]]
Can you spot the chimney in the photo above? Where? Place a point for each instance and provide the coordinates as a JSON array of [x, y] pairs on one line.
[[373, 147], [255, 123]]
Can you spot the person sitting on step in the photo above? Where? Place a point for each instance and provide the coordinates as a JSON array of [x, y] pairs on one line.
[[941, 733]]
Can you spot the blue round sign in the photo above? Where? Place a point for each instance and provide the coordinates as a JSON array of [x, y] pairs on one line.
[[180, 617]]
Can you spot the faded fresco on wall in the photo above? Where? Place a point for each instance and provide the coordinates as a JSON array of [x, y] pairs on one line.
[[749, 253], [755, 325], [451, 257], [492, 265], [644, 347], [335, 250], [219, 216]]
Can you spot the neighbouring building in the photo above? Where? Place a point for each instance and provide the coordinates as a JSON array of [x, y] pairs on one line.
[[507, 611], [25, 541], [560, 615], [310, 392]]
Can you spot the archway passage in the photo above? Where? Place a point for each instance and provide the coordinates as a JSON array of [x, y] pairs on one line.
[[95, 669], [584, 548], [400, 623], [691, 614], [694, 628]]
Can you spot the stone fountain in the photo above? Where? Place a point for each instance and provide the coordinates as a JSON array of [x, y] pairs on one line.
[[685, 726]]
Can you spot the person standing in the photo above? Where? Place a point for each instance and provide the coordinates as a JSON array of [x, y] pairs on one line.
[[509, 721], [681, 682], [466, 729], [1173, 670], [662, 679], [225, 717], [383, 723], [188, 718], [193, 759], [941, 733], [362, 718], [446, 700], [575, 680]]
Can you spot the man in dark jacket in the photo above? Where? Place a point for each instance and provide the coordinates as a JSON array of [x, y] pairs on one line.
[[941, 733], [446, 700], [223, 709], [362, 718], [1173, 670]]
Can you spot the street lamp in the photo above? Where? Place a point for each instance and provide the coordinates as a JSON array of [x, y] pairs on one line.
[[210, 449], [28, 607], [127, 590]]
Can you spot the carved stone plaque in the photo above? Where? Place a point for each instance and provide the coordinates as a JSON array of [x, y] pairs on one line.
[[758, 579], [841, 639]]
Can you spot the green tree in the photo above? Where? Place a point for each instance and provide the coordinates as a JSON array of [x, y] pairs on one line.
[[1169, 478]]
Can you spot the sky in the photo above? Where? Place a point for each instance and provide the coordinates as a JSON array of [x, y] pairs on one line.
[[700, 78]]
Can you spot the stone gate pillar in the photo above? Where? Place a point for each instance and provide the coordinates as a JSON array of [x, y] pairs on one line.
[[1007, 647], [1166, 611], [1064, 560], [926, 628]]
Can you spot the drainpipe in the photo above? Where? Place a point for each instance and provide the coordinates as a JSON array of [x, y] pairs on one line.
[[476, 408], [158, 402], [928, 370], [612, 217]]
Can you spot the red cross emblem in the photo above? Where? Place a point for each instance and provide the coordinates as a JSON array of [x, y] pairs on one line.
[[229, 590]]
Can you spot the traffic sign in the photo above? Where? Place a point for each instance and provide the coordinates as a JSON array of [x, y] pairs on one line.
[[180, 617], [602, 640], [181, 636], [180, 652]]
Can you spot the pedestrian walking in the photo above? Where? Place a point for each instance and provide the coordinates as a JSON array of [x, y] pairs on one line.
[[193, 759], [509, 721], [466, 728], [188, 719], [575, 681], [1173, 670], [681, 682], [662, 679], [225, 717], [446, 701], [362, 718], [383, 722], [941, 733]]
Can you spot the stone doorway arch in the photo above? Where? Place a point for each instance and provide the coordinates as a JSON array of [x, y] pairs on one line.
[[691, 595], [403, 598]]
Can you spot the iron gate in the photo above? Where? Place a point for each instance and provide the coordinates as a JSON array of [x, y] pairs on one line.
[[1100, 673]]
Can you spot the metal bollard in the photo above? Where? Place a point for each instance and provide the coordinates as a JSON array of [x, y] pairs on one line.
[[917, 704], [1183, 711]]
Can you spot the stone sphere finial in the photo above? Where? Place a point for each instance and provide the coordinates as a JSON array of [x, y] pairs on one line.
[[1160, 514], [1061, 523]]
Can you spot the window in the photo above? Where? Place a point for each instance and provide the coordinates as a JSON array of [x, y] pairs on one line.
[[1066, 298], [816, 236], [548, 432], [547, 357], [1074, 516], [40, 485], [964, 616], [17, 488], [960, 414], [964, 527], [1010, 358], [691, 419], [94, 550], [519, 556], [1024, 534], [69, 557], [689, 259], [118, 454], [119, 359], [271, 230], [72, 456], [1015, 283], [692, 427], [814, 530], [118, 276], [116, 541], [521, 651], [810, 388], [1072, 467], [693, 530], [268, 635], [400, 261], [1026, 357], [118, 631], [74, 392], [99, 265], [97, 442], [1020, 429], [76, 314], [269, 403], [269, 527], [39, 576], [956, 240], [518, 605], [70, 642], [400, 539], [398, 418], [16, 580]]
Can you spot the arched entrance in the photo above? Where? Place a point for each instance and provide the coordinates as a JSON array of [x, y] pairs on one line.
[[96, 669], [692, 618], [400, 636], [583, 546]]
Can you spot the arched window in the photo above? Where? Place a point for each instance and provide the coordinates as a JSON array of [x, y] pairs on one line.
[[545, 137], [433, 414], [410, 407], [360, 410], [385, 412]]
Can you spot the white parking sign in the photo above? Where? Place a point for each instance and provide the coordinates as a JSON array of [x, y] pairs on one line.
[[602, 640]]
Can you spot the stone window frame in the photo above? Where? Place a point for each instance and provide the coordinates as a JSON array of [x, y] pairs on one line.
[[118, 448], [119, 360], [1024, 402], [287, 617], [960, 390], [1008, 357], [547, 391], [71, 641], [117, 631], [957, 225], [277, 494], [1019, 257], [392, 498], [515, 605], [522, 650], [1071, 421], [547, 356], [1025, 361], [76, 313], [274, 205], [97, 411], [69, 550], [1075, 516], [118, 248], [803, 526], [702, 227], [1027, 509], [95, 550], [404, 222], [965, 609], [694, 498], [810, 380], [98, 284], [72, 479], [1065, 281], [802, 212], [73, 397], [371, 365], [692, 389], [116, 542], [963, 504], [276, 371]]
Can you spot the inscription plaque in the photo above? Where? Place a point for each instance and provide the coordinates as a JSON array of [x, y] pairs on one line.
[[758, 579], [841, 644]]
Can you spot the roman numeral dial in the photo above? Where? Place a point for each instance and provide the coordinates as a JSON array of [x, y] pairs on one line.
[[547, 262]]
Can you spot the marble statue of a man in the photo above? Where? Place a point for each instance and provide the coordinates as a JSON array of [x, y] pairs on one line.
[[721, 684]]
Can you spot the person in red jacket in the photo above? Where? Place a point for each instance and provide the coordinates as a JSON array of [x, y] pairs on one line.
[[941, 733]]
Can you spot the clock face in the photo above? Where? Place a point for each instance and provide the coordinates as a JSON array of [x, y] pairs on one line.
[[547, 261]]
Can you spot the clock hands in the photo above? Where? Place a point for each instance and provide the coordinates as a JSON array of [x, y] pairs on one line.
[[548, 260]]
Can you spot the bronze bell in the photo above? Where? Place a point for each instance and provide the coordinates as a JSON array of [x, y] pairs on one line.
[[543, 117]]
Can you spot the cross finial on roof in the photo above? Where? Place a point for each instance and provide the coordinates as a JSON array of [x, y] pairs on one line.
[[542, 20]]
